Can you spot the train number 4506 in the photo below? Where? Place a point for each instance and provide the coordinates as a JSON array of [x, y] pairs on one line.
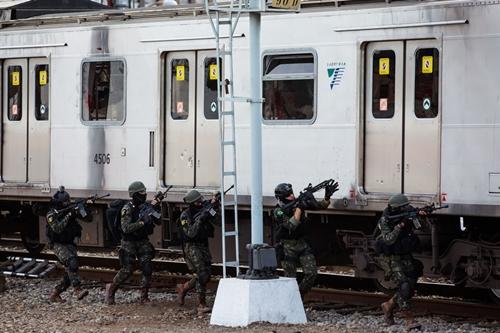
[[102, 158]]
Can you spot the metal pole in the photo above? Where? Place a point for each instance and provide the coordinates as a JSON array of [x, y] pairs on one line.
[[256, 129]]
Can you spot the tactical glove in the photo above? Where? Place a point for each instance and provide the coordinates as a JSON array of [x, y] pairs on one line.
[[330, 189]]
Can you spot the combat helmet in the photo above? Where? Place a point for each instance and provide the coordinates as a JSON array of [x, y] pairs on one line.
[[192, 196], [283, 191], [136, 187], [398, 200]]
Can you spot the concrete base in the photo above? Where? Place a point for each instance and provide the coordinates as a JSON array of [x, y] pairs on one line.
[[242, 302]]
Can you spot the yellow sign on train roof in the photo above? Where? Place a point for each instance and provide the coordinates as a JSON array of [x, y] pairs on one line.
[[286, 4]]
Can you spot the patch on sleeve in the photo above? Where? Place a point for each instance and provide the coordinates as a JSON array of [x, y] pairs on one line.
[[184, 222], [125, 211]]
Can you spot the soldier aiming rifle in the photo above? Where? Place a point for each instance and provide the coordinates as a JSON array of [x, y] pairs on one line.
[[291, 229], [63, 231]]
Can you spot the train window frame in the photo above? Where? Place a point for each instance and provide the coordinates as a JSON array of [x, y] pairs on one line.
[[291, 76], [172, 77], [418, 108], [376, 77], [42, 115], [104, 122], [12, 69]]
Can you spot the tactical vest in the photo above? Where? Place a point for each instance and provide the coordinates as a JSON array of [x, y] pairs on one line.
[[205, 231], [73, 230], [141, 233], [280, 217], [406, 243]]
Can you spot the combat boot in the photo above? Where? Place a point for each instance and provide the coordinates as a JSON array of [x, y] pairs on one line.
[[55, 297], [202, 304], [388, 309], [144, 295], [80, 293], [182, 290], [109, 297], [410, 324]]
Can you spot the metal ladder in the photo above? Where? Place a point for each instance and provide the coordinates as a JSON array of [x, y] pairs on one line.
[[227, 15]]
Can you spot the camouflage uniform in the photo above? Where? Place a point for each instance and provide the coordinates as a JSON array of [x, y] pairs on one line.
[[196, 231], [135, 244], [397, 260], [63, 231], [291, 234]]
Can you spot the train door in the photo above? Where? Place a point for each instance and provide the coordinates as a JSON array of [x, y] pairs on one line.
[[384, 117], [422, 127], [207, 121], [15, 121], [38, 121], [191, 126], [401, 125]]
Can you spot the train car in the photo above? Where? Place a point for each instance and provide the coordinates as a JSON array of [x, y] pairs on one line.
[[386, 98]]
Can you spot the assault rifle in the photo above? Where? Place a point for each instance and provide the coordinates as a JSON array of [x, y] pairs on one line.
[[80, 205], [210, 205], [149, 210], [306, 194], [413, 212]]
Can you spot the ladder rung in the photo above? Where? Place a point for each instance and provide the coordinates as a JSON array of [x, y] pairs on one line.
[[229, 203], [230, 233], [231, 263], [227, 113], [224, 21], [229, 173], [225, 53], [228, 143]]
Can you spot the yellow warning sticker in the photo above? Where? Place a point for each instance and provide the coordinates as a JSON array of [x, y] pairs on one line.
[[43, 78], [427, 66], [179, 73], [213, 71], [16, 78], [383, 66]]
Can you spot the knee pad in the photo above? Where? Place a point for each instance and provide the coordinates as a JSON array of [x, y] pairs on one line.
[[147, 268], [203, 277], [73, 264], [405, 290]]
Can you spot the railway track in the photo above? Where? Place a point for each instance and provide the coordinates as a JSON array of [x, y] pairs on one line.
[[348, 295]]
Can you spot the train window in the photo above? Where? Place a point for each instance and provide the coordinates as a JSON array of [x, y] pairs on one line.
[[210, 89], [288, 87], [15, 93], [42, 92], [384, 83], [426, 83], [180, 89], [103, 91]]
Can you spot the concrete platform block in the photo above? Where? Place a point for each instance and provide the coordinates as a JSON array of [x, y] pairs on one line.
[[241, 302]]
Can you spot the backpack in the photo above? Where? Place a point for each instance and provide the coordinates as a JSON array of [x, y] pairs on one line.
[[113, 220]]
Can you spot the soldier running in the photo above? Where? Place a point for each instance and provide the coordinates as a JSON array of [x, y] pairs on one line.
[[63, 230], [196, 226], [135, 244], [396, 242], [291, 228]]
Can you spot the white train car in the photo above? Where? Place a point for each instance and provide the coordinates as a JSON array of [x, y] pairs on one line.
[[385, 98]]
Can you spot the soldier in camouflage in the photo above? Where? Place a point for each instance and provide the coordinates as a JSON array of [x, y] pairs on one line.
[[63, 230], [135, 244], [196, 227], [396, 243], [291, 230]]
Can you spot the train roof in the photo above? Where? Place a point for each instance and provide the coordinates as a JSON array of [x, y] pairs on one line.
[[170, 12]]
